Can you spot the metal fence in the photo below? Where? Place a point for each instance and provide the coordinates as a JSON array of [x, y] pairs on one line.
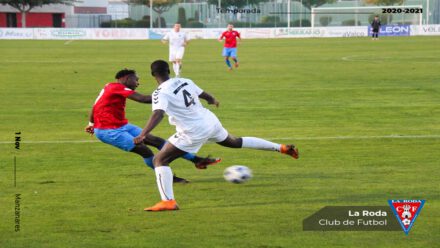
[[87, 21], [270, 13]]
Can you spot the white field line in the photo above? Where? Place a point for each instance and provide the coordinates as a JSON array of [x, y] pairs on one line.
[[363, 58], [363, 137], [273, 138], [360, 58], [68, 42]]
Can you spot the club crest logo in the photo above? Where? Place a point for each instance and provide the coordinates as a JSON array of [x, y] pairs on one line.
[[406, 212]]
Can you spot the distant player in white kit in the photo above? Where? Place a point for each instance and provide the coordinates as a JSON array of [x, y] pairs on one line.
[[177, 40], [180, 98]]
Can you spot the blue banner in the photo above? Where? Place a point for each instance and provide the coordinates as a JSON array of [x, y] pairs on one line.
[[392, 30]]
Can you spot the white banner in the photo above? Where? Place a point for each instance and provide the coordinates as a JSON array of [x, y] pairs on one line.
[[425, 30], [193, 33], [256, 33], [91, 33], [119, 33], [16, 33], [60, 34], [360, 31]]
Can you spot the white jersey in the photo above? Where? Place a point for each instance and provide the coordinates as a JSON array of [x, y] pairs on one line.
[[176, 39], [179, 98]]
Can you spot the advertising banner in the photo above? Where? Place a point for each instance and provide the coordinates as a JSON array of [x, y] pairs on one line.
[[211, 33], [90, 33], [392, 30], [16, 33], [425, 30]]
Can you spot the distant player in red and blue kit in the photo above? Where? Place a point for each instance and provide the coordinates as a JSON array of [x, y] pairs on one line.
[[230, 46], [107, 120]]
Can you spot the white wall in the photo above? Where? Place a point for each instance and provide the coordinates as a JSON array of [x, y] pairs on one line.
[[92, 3]]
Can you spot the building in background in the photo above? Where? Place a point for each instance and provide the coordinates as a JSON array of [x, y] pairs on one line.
[[87, 13], [118, 9]]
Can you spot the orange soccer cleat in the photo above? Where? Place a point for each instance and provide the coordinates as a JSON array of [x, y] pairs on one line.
[[204, 162], [164, 206], [290, 150]]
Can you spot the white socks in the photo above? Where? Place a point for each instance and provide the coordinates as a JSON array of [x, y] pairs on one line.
[[176, 68], [260, 144], [164, 179]]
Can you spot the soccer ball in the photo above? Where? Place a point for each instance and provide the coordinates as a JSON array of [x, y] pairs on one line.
[[406, 222], [237, 174]]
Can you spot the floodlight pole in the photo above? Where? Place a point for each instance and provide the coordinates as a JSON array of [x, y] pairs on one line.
[[356, 15], [219, 13], [288, 14], [151, 14], [427, 12]]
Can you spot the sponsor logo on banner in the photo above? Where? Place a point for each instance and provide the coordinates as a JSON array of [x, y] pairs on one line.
[[349, 34], [252, 33], [68, 33], [406, 212], [345, 32], [425, 30], [118, 33], [298, 32], [12, 33], [433, 29], [392, 30]]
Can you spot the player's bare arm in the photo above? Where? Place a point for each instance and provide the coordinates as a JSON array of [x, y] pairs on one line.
[[89, 128], [140, 98], [154, 120], [209, 98]]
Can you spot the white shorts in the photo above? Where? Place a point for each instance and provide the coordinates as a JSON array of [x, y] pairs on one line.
[[192, 142], [176, 53]]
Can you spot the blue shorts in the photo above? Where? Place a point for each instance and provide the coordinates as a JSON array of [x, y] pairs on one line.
[[121, 137], [229, 52]]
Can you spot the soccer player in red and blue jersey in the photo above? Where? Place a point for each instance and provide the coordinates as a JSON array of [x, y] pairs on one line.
[[230, 46], [107, 121]]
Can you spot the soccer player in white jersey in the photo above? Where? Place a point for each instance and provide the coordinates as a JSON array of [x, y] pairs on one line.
[[195, 125], [177, 41]]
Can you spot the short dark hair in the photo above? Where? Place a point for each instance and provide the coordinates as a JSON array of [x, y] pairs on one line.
[[124, 72], [160, 68]]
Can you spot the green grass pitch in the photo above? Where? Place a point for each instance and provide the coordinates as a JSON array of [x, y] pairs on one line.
[[311, 92]]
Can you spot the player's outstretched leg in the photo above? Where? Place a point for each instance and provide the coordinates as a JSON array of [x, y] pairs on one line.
[[199, 162], [228, 63], [260, 144], [164, 176], [235, 62], [158, 142]]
